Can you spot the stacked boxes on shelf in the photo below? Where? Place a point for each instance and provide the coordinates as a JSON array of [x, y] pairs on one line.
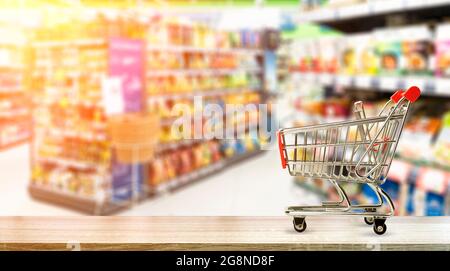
[[14, 97], [385, 58], [193, 65], [76, 71]]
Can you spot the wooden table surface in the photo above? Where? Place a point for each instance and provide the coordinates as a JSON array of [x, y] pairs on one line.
[[219, 233]]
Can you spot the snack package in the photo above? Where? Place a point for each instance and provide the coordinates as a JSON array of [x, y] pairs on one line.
[[430, 193], [389, 51], [215, 151], [157, 173], [328, 54], [366, 57], [347, 55], [441, 148], [417, 50], [443, 50], [186, 161]]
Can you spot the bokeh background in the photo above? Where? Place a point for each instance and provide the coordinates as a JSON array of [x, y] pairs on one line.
[[71, 70]]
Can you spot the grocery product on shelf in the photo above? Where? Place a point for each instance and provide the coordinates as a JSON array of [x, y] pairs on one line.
[[443, 50], [417, 50], [328, 57], [428, 193], [441, 148], [383, 52], [389, 50]]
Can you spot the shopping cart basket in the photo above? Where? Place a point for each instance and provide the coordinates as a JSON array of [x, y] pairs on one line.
[[356, 151]]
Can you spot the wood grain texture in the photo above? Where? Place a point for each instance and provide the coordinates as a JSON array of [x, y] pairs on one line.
[[219, 233]]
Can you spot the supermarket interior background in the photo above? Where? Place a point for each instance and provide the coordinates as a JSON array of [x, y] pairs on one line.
[[70, 70]]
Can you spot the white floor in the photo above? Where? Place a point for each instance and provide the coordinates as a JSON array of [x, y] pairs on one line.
[[254, 187]]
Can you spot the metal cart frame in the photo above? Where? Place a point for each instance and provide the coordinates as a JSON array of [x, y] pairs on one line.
[[355, 151]]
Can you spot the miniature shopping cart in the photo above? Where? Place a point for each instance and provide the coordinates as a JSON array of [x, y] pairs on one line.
[[356, 151]]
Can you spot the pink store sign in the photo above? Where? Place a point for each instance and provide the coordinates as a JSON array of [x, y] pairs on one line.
[[126, 63]]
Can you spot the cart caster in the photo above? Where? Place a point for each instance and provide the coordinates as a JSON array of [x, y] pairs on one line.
[[369, 220], [299, 224], [379, 226]]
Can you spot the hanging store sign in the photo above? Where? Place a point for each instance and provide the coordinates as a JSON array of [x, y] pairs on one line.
[[126, 64]]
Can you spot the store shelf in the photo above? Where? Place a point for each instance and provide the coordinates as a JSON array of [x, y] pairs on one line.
[[91, 206], [89, 136], [81, 165], [74, 201], [432, 86], [368, 9], [64, 43], [204, 93], [219, 233], [178, 144], [423, 163], [14, 143], [201, 72], [193, 49], [14, 113], [102, 56], [201, 173], [5, 90]]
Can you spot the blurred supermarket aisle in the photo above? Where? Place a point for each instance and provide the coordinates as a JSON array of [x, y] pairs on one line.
[[254, 187]]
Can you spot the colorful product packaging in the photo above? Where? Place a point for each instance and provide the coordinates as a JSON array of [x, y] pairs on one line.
[[430, 193], [442, 144], [328, 54], [443, 50], [124, 178], [417, 49], [389, 51], [367, 61], [347, 59]]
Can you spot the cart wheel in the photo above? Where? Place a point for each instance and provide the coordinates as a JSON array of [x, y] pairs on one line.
[[299, 224], [379, 227], [369, 220]]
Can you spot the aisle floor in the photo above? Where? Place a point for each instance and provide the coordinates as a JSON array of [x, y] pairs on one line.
[[257, 186]]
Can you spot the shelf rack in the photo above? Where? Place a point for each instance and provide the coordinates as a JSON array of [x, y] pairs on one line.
[[432, 86], [97, 207], [369, 9], [16, 116], [104, 203]]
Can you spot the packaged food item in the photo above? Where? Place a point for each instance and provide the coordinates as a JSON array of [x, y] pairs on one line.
[[430, 193], [157, 173], [328, 56], [442, 145], [228, 147], [389, 51], [348, 57], [215, 151], [186, 161], [417, 49], [443, 50]]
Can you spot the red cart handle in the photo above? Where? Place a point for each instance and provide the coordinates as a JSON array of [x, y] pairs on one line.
[[281, 147], [412, 94], [397, 96]]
